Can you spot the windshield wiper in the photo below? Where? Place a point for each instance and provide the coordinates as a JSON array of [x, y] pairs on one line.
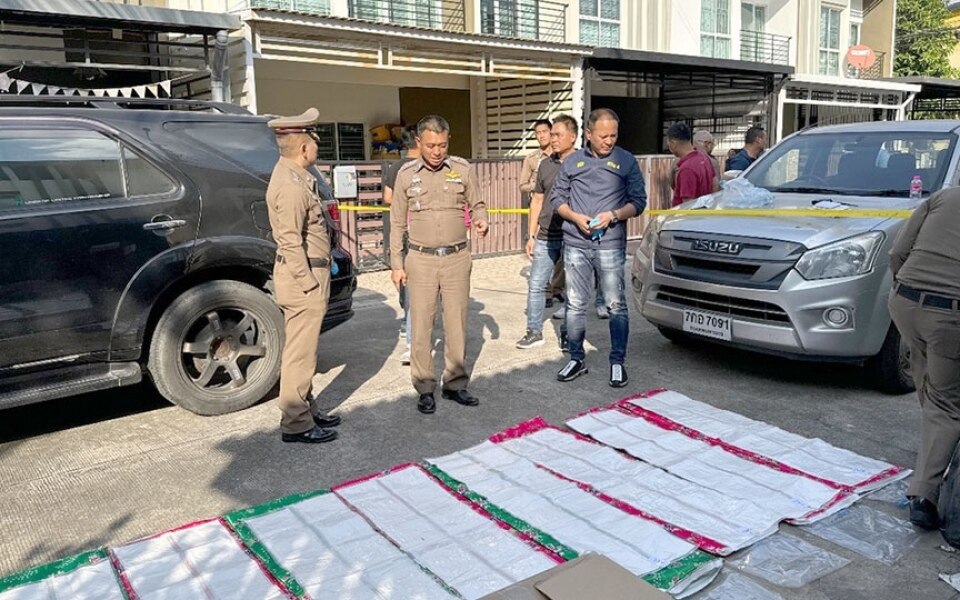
[[891, 193], [802, 190]]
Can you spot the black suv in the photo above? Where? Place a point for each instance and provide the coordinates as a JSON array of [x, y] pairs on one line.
[[134, 238]]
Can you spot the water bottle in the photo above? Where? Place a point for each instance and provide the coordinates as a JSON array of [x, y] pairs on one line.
[[916, 188]]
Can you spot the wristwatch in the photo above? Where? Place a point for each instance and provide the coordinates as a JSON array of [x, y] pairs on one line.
[[615, 218]]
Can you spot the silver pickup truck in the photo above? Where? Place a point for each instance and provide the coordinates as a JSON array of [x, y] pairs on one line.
[[804, 287]]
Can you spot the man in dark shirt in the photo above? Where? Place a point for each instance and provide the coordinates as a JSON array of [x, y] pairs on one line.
[[755, 142], [409, 139], [597, 190], [695, 173], [925, 305], [545, 243]]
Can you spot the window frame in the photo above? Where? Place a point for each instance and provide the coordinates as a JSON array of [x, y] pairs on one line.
[[826, 51], [525, 26], [600, 20], [716, 35]]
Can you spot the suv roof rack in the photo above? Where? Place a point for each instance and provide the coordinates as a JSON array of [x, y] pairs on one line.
[[123, 103]]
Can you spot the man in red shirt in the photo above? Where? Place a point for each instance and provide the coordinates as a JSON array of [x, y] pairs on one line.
[[695, 172]]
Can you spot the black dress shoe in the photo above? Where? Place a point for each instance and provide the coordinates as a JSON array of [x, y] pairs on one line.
[[461, 397], [427, 404], [326, 420], [923, 513], [316, 435]]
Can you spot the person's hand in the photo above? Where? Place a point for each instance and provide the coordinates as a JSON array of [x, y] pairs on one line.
[[399, 277], [482, 228], [604, 220], [583, 222], [529, 249]]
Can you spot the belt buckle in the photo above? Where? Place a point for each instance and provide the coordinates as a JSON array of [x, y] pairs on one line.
[[443, 250]]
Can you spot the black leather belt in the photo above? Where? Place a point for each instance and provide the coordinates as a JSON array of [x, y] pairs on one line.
[[315, 263], [440, 251], [926, 298]]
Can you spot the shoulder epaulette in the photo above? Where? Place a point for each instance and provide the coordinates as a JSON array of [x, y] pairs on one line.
[[457, 159]]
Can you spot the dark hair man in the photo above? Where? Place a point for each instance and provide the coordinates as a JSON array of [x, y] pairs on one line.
[[695, 172], [754, 143], [528, 172]]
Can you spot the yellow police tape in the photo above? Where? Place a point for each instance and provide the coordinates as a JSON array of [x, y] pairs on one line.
[[853, 213]]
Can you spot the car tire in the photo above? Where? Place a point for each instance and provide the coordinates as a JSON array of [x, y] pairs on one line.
[[216, 348], [674, 335], [890, 368]]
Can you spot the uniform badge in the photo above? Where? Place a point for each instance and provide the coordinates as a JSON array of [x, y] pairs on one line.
[[453, 177], [613, 165], [581, 164]]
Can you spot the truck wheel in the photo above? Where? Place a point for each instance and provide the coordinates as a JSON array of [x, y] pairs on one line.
[[890, 368], [216, 348]]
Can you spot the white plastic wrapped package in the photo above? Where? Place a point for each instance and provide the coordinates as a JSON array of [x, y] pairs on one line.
[[814, 458], [868, 532], [95, 581], [336, 555], [790, 496], [787, 561], [732, 586], [470, 553], [718, 523], [201, 561], [576, 518], [740, 193]]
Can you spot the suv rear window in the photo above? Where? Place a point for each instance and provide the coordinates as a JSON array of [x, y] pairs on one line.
[[856, 164], [250, 145]]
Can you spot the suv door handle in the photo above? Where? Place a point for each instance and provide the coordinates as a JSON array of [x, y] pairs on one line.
[[164, 225]]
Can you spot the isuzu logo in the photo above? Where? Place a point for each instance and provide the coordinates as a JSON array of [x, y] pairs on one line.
[[717, 247]]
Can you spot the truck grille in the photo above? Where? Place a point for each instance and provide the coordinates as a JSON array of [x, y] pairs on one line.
[[738, 307], [689, 262]]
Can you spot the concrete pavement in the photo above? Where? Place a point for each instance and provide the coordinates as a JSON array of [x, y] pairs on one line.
[[110, 467]]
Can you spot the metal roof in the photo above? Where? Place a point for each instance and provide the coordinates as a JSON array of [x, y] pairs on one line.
[[89, 13], [662, 62]]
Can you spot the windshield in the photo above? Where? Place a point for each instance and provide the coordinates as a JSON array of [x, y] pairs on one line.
[[856, 164]]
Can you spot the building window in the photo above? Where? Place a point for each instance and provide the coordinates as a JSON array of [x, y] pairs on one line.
[[753, 22], [510, 18], [715, 28], [423, 13], [854, 34], [829, 41], [600, 23]]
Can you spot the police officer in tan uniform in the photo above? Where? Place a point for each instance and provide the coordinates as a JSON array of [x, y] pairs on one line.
[[301, 274], [432, 193], [925, 305]]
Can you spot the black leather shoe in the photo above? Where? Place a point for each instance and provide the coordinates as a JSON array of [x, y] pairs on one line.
[[326, 420], [461, 397], [316, 435], [923, 513], [427, 404]]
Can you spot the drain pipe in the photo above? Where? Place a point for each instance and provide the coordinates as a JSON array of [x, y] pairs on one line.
[[220, 69]]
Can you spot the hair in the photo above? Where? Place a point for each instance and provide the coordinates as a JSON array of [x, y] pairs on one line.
[[680, 132], [754, 134], [598, 114], [289, 143], [702, 135], [731, 153], [434, 123], [408, 137], [569, 122], [540, 122]]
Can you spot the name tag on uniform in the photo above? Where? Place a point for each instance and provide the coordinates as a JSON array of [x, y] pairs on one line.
[[613, 165]]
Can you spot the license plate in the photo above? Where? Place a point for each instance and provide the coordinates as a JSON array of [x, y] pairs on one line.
[[707, 324]]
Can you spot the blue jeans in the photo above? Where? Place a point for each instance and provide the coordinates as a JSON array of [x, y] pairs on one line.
[[545, 256], [583, 265]]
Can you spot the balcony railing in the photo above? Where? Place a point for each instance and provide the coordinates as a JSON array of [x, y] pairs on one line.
[[447, 15], [541, 20], [313, 7], [874, 72], [756, 46]]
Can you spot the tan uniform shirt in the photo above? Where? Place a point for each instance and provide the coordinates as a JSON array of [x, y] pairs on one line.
[[429, 205], [926, 255], [296, 218], [528, 172]]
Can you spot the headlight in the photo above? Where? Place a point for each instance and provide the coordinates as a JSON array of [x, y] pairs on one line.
[[650, 236], [846, 258]]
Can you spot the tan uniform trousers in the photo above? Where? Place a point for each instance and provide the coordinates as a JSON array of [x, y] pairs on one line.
[[448, 276], [934, 338], [302, 319]]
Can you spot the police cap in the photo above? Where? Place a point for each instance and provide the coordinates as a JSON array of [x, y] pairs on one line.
[[305, 123]]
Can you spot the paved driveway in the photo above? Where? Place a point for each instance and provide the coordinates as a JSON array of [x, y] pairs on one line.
[[110, 467]]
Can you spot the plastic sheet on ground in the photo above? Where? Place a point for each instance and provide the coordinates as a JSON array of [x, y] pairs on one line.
[[953, 579], [714, 521], [790, 496], [468, 551], [333, 553], [760, 441], [89, 576], [733, 586], [893, 493], [787, 561], [202, 561], [868, 532]]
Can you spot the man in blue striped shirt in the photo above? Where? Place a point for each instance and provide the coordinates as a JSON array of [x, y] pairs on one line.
[[598, 188]]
